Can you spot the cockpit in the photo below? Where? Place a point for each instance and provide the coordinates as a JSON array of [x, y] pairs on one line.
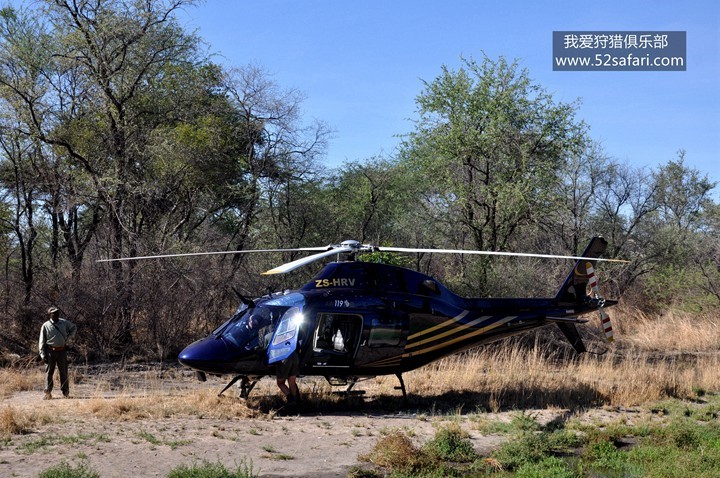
[[252, 328]]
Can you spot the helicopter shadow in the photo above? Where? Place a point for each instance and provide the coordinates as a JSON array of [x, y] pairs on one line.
[[522, 397]]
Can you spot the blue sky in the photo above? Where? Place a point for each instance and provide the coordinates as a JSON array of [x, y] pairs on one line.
[[360, 65]]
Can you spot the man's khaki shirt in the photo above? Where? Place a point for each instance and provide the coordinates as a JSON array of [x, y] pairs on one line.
[[56, 334]]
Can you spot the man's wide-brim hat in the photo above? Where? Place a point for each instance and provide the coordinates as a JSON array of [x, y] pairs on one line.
[[53, 309]]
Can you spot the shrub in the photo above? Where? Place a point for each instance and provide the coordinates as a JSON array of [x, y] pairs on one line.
[[548, 467], [605, 456], [64, 470], [451, 443], [397, 452], [527, 448], [212, 470]]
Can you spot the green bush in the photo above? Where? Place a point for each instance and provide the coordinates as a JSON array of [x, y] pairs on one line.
[[451, 443], [527, 448], [604, 455], [563, 440], [212, 470], [525, 422], [64, 470], [550, 467]]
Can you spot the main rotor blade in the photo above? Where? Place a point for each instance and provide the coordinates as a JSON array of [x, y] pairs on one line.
[[492, 253], [291, 266], [188, 254]]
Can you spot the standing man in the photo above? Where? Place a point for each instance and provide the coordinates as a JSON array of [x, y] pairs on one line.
[[54, 337]]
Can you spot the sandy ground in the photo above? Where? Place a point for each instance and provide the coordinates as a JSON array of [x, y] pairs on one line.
[[304, 444]]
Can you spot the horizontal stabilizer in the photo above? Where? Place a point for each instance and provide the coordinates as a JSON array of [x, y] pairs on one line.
[[566, 320]]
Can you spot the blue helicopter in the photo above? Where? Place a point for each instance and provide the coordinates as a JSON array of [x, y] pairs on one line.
[[356, 320]]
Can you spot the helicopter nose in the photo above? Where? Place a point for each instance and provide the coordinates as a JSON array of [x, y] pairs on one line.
[[208, 354]]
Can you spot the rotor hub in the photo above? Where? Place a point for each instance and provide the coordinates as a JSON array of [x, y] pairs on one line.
[[351, 243]]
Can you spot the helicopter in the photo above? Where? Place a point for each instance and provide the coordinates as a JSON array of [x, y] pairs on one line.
[[357, 320]]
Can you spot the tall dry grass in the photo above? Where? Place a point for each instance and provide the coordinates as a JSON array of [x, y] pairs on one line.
[[516, 378], [14, 422], [671, 355], [13, 380], [669, 332]]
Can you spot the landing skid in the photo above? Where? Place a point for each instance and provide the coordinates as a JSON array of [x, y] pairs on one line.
[[350, 382], [244, 388], [349, 392]]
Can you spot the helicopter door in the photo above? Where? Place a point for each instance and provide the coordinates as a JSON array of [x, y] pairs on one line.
[[336, 339], [284, 340], [384, 338]]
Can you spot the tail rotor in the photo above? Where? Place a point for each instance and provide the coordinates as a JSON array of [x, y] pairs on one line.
[[604, 317]]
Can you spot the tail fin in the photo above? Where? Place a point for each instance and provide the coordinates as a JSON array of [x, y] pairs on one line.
[[573, 290], [571, 333]]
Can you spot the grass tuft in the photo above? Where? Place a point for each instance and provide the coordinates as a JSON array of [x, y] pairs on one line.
[[14, 380], [13, 422], [395, 451], [213, 470], [64, 470], [547, 467], [451, 443]]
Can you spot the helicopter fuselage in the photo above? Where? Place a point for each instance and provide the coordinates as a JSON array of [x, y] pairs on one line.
[[362, 319]]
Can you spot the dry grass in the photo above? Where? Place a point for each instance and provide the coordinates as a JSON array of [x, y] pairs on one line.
[[394, 451], [18, 380], [14, 422], [673, 331], [494, 379], [517, 377], [154, 405]]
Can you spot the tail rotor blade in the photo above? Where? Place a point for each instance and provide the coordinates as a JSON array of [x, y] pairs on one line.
[[604, 317], [592, 280], [606, 325]]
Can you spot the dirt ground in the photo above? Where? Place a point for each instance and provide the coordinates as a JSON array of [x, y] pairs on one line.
[[309, 442]]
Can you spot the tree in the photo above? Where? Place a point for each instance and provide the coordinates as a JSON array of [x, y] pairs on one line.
[[280, 158], [22, 195], [490, 143], [370, 199], [707, 255], [683, 194], [679, 236]]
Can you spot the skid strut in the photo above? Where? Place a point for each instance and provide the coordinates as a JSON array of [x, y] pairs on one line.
[[245, 387], [232, 382], [402, 386]]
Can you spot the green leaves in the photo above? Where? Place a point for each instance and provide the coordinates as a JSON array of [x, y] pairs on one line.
[[491, 144]]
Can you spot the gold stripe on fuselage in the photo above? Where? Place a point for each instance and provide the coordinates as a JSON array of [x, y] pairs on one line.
[[394, 360], [447, 332], [439, 326], [482, 330]]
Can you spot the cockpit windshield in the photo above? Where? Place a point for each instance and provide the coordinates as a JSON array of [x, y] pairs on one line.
[[234, 318], [253, 328]]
